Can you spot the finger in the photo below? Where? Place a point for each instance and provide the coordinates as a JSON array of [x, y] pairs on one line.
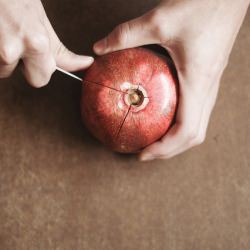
[[65, 58], [10, 52], [130, 34], [38, 70], [175, 142], [70, 61], [199, 136], [186, 133], [7, 70], [182, 135], [168, 144], [38, 61]]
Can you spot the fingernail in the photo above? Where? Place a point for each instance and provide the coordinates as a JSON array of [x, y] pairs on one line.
[[146, 157], [100, 47], [89, 59], [86, 58]]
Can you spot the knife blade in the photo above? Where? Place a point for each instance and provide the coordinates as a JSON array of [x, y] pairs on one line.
[[69, 74]]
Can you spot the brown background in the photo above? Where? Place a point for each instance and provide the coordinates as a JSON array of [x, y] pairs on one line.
[[60, 189]]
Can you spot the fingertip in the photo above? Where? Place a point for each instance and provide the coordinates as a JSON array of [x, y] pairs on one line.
[[36, 81], [152, 152], [37, 84], [144, 157], [100, 47], [40, 85], [86, 60], [75, 62]]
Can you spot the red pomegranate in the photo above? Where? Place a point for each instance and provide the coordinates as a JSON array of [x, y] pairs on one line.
[[129, 99]]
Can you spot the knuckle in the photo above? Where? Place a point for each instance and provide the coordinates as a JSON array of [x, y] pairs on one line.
[[41, 78], [7, 55], [122, 33], [159, 32], [50, 72], [156, 23], [38, 44], [5, 73], [154, 18], [61, 49], [38, 82]]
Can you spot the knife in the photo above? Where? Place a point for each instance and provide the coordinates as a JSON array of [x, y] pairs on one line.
[[69, 74]]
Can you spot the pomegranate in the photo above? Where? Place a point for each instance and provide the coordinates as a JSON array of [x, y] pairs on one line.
[[129, 99]]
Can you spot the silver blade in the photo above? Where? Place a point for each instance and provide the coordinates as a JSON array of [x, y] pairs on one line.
[[69, 74]]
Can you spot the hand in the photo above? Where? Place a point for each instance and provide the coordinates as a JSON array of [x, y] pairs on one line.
[[26, 33], [199, 36]]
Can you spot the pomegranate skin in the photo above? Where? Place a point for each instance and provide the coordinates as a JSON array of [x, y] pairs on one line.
[[129, 99]]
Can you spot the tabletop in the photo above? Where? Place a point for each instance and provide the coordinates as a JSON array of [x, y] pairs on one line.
[[62, 189]]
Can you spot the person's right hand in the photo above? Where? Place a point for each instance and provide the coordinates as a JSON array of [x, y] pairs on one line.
[[27, 34]]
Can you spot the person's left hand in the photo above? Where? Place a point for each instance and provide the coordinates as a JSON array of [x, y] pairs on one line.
[[199, 36]]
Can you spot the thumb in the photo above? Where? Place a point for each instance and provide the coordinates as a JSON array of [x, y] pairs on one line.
[[70, 61], [65, 58], [136, 32]]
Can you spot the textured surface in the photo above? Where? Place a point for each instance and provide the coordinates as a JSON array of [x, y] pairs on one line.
[[60, 189]]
